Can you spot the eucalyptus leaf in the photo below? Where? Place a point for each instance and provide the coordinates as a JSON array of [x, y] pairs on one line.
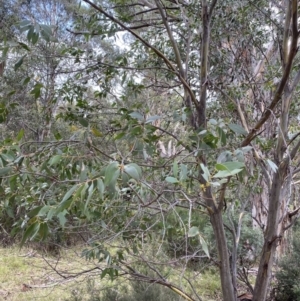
[[193, 231], [152, 118], [43, 231], [100, 187], [137, 115], [175, 169], [54, 160], [30, 232], [90, 194], [69, 194], [272, 165], [237, 129], [206, 173], [5, 170], [112, 172], [19, 63], [224, 157], [204, 246], [226, 173], [83, 121], [183, 172], [172, 180], [133, 170], [234, 165], [62, 218]]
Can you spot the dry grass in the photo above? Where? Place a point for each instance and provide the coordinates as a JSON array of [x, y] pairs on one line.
[[28, 275]]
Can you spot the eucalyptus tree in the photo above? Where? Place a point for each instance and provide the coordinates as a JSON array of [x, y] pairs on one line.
[[216, 79], [247, 47]]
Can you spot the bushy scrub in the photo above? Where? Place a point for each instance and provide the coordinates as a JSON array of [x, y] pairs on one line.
[[131, 291], [288, 275]]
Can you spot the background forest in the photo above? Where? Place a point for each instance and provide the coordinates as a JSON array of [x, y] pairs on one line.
[[161, 137]]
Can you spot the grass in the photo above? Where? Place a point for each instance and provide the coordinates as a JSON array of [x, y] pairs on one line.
[[28, 267], [27, 275]]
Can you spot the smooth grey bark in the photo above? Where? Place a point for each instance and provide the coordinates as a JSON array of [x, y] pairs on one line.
[[215, 212], [282, 157], [271, 238]]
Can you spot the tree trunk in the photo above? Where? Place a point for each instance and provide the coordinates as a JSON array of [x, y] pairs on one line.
[[216, 220], [224, 264], [271, 238]]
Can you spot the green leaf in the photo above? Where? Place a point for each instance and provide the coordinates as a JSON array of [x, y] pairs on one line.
[[36, 91], [152, 118], [5, 170], [34, 212], [25, 81], [230, 166], [57, 136], [31, 232], [62, 218], [46, 32], [213, 121], [193, 231], [204, 246], [23, 45], [30, 32], [25, 25], [83, 173], [4, 52], [90, 194], [272, 165], [137, 115], [51, 213], [44, 210], [83, 191], [183, 172], [233, 165], [67, 197], [83, 121], [44, 231], [112, 172], [206, 174], [54, 160], [35, 230], [237, 129], [19, 160], [120, 136], [133, 170], [47, 29], [19, 62], [222, 136], [13, 182], [226, 173], [96, 132], [8, 157], [175, 169], [224, 157], [34, 37], [172, 180], [100, 187], [125, 178], [221, 167], [11, 93]]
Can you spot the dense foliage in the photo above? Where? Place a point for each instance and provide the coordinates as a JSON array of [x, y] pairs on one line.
[[164, 130]]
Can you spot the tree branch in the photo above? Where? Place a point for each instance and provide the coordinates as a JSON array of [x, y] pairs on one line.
[[147, 44], [284, 79], [204, 62]]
